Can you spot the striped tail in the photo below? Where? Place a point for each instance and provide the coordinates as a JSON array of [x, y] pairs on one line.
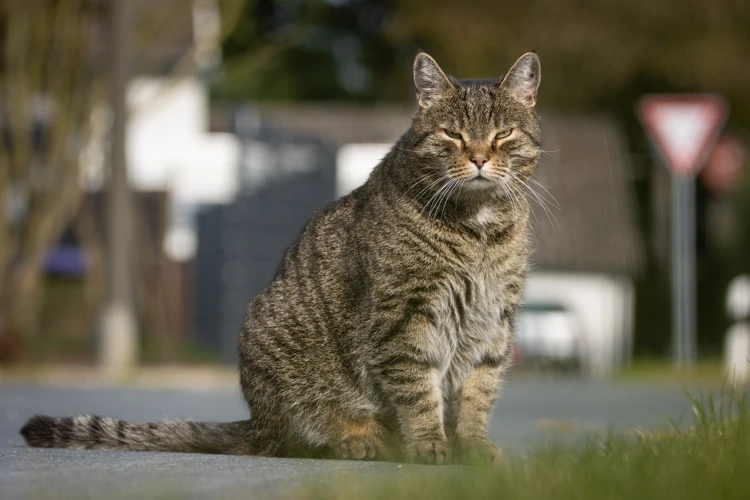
[[90, 432]]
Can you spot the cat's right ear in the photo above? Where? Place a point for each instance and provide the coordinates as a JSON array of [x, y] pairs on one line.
[[522, 81], [430, 81]]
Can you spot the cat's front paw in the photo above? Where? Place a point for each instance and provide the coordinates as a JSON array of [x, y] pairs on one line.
[[361, 448], [478, 452], [429, 451]]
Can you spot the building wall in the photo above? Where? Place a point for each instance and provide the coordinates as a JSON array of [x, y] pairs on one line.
[[354, 162], [170, 148], [603, 305]]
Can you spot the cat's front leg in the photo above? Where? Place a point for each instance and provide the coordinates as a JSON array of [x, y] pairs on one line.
[[475, 401], [408, 367]]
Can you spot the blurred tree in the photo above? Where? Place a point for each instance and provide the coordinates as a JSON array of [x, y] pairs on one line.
[[596, 55], [737, 250], [54, 84], [48, 95], [312, 50]]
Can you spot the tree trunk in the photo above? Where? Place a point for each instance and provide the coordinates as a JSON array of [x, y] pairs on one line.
[[12, 340]]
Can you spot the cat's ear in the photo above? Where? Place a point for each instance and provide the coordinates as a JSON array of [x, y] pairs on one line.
[[523, 79], [430, 81]]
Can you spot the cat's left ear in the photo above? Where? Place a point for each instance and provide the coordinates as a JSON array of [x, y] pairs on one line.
[[523, 79], [430, 81]]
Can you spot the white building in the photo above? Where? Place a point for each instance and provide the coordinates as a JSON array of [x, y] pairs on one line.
[[169, 148]]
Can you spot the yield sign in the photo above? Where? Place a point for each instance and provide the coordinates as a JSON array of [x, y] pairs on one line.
[[683, 128]]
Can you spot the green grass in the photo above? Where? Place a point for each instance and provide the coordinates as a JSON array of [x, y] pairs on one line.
[[708, 459]]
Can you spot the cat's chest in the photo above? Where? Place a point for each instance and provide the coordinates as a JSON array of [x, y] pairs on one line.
[[474, 296], [469, 319]]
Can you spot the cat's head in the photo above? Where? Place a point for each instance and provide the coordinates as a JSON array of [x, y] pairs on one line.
[[481, 136]]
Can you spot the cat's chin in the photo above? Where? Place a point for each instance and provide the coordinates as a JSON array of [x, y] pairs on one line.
[[479, 191], [480, 184]]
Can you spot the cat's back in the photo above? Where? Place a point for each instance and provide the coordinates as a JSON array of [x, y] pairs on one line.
[[316, 282]]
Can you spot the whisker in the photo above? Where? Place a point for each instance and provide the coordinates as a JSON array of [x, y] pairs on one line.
[[456, 186], [404, 149], [556, 203], [440, 195], [511, 198], [539, 197], [433, 198], [548, 212], [548, 152], [444, 190], [428, 187], [518, 195], [416, 183], [451, 190], [533, 214], [541, 202]]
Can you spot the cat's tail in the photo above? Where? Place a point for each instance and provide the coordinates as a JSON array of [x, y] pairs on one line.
[[98, 433]]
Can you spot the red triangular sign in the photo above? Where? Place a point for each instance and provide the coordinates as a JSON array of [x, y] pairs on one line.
[[683, 128]]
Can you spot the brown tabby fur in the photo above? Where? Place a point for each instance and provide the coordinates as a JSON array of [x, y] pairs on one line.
[[389, 324]]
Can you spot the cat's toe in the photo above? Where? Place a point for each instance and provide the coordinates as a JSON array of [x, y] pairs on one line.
[[433, 451], [478, 452], [359, 448]]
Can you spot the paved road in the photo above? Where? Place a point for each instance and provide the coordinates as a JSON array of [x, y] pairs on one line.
[[527, 411]]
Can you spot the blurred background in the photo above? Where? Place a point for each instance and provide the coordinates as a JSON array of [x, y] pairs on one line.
[[157, 157]]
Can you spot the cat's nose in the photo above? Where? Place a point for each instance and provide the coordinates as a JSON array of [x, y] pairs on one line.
[[479, 160]]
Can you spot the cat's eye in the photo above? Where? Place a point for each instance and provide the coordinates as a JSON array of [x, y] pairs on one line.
[[453, 135], [503, 134]]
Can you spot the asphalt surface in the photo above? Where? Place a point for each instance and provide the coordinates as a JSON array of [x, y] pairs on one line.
[[527, 411]]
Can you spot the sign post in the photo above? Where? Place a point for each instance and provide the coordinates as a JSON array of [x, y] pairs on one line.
[[683, 129]]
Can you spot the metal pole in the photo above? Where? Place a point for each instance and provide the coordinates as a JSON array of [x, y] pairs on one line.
[[119, 342], [689, 342], [683, 271], [677, 316]]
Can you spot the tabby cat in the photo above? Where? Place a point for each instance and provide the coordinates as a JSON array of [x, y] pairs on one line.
[[388, 326]]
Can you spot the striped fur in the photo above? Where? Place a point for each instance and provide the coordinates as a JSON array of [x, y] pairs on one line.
[[389, 324], [91, 432]]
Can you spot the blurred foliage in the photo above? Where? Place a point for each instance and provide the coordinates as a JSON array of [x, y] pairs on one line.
[[595, 55], [737, 249], [316, 50], [51, 81]]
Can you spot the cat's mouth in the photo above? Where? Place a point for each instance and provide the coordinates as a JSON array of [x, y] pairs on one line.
[[482, 176], [479, 182]]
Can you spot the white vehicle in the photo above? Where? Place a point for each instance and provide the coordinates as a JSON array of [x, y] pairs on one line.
[[548, 336]]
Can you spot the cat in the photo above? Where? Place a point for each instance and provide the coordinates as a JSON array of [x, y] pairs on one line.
[[388, 327]]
